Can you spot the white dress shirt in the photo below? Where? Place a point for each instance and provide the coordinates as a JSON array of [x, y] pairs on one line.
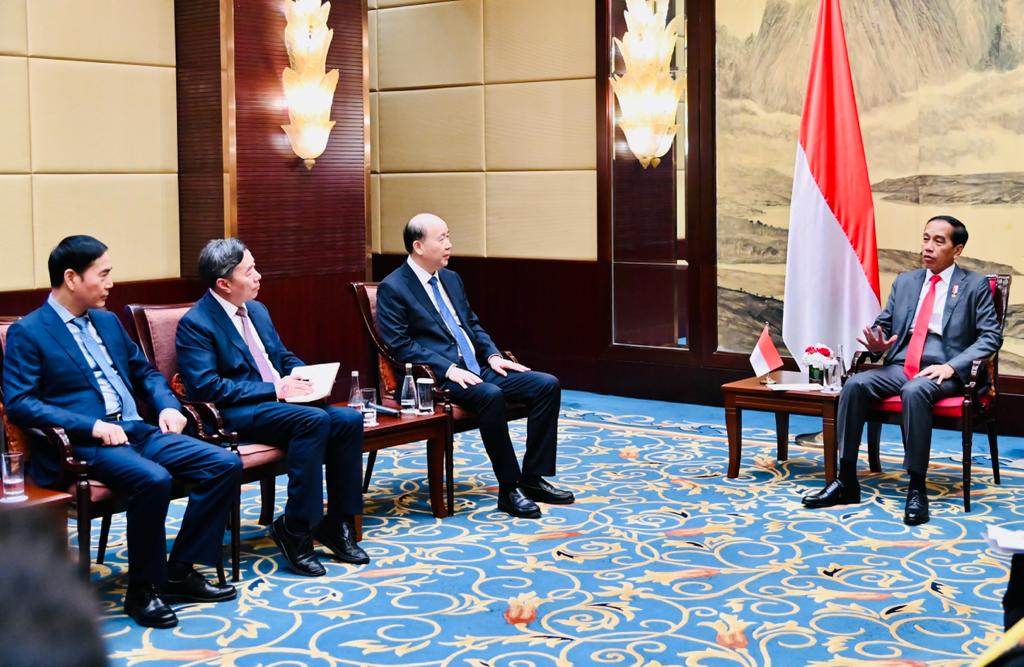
[[941, 292], [232, 312]]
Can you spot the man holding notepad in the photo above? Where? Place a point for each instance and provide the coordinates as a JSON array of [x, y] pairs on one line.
[[229, 354]]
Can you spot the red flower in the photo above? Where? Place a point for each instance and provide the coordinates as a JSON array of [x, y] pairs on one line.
[[810, 349]]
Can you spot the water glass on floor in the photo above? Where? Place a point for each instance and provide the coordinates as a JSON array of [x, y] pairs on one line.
[[13, 473]]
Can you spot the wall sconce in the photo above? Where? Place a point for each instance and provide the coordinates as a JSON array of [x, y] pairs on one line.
[[648, 94], [308, 86]]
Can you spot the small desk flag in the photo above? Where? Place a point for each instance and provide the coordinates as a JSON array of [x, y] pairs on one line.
[[765, 358]]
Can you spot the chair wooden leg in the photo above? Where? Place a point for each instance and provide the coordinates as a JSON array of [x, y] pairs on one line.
[[874, 446], [84, 541], [371, 458], [236, 537], [101, 549], [968, 436], [993, 448], [267, 494]]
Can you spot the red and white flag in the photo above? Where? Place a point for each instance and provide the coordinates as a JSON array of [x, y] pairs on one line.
[[765, 358], [832, 261]]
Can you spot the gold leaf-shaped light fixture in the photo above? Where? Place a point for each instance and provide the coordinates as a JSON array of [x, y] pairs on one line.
[[647, 92], [308, 86]]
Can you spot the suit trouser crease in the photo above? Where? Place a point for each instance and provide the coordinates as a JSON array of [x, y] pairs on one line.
[[864, 390], [143, 470], [541, 393], [317, 440]]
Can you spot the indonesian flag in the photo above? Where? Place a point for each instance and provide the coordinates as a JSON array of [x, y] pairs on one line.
[[832, 261], [765, 358]]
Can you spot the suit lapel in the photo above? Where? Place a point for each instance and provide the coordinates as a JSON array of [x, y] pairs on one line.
[[420, 291], [217, 314], [957, 283], [456, 296], [59, 332], [112, 341], [264, 329]]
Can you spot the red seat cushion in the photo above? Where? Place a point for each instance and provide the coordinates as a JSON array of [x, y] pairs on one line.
[[258, 454], [98, 492], [946, 407]]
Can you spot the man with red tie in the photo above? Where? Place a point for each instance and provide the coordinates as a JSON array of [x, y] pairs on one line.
[[938, 320]]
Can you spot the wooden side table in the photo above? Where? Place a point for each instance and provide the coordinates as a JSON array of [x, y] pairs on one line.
[[752, 395], [53, 504]]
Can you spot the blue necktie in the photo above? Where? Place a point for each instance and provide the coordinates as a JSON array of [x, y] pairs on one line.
[[129, 411], [460, 336]]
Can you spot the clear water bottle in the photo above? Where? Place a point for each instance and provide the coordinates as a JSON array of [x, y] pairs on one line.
[[355, 397], [408, 395]]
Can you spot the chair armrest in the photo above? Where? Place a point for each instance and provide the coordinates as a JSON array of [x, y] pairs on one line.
[[508, 354], [208, 423], [57, 439], [974, 380]]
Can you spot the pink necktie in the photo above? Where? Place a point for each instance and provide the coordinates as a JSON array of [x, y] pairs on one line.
[[254, 349], [912, 364]]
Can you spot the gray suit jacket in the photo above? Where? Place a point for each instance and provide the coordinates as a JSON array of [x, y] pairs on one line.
[[970, 329]]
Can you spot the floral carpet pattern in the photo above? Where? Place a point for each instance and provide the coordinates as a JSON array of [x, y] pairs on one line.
[[662, 561]]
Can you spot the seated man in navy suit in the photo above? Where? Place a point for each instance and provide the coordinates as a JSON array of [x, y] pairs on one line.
[[229, 353], [938, 320], [424, 317], [70, 365]]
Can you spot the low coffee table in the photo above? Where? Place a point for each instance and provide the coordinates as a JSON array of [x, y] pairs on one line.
[[52, 504], [752, 395]]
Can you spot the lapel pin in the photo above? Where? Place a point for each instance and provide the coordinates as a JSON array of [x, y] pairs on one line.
[[956, 288]]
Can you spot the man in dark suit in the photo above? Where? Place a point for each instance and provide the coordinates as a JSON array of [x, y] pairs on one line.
[[938, 320], [424, 317], [70, 365], [229, 353]]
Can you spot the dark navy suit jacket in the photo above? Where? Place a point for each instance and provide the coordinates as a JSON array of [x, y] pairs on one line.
[[47, 381], [410, 325], [215, 362]]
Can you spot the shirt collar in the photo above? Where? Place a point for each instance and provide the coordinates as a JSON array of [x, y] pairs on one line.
[[63, 313], [946, 275], [420, 272], [229, 308]]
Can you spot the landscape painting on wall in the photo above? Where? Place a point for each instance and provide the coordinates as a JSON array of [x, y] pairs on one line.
[[940, 90]]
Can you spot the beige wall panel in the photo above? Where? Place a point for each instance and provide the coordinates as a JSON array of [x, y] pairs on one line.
[[439, 129], [139, 31], [135, 214], [547, 125], [16, 253], [532, 40], [375, 132], [542, 215], [97, 117], [458, 198], [371, 29], [371, 4], [430, 45], [375, 213], [13, 27], [14, 138], [405, 3]]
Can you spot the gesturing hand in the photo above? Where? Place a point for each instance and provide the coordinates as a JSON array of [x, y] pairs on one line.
[[874, 340], [462, 377], [109, 434]]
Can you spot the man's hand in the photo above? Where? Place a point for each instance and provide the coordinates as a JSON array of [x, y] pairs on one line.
[[109, 434], [462, 377], [171, 421], [290, 386], [874, 340], [938, 372], [501, 365]]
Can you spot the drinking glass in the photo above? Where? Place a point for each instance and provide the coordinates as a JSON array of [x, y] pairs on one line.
[[369, 406], [13, 477], [425, 396], [833, 379]]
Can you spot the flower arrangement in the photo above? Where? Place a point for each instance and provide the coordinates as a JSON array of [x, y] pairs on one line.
[[817, 355]]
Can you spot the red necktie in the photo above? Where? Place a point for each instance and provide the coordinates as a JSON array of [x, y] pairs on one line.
[[912, 364]]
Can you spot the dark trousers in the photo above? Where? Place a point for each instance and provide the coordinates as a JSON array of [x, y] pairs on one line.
[[142, 470], [316, 439], [918, 395], [542, 393], [1013, 601]]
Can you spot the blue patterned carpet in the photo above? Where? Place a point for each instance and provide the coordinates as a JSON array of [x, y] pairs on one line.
[[662, 561]]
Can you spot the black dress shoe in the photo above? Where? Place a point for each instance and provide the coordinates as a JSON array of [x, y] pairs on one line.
[[340, 538], [195, 588], [541, 491], [916, 511], [836, 493], [297, 550], [143, 604], [514, 502]]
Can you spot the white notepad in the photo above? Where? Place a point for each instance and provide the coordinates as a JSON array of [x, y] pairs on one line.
[[321, 375]]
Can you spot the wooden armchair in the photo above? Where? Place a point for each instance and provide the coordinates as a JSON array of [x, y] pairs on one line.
[[390, 371], [975, 408], [156, 327]]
